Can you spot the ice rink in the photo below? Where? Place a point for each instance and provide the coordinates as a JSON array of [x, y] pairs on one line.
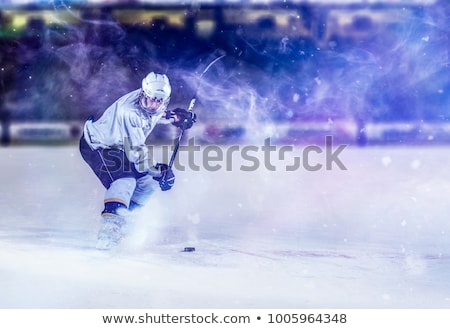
[[376, 235]]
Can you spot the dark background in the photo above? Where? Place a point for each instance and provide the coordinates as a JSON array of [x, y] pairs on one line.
[[287, 64]]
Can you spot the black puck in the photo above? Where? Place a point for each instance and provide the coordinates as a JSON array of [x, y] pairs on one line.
[[189, 249]]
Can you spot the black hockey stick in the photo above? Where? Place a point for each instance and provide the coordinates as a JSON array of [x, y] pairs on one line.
[[190, 108]]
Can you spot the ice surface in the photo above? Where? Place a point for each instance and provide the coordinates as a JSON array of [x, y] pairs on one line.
[[373, 236]]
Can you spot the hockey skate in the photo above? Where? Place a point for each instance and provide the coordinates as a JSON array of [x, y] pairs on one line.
[[110, 233]]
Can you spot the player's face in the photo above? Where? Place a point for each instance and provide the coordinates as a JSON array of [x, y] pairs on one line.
[[151, 104]]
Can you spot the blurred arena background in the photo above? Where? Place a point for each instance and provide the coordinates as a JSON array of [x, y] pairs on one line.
[[366, 72]]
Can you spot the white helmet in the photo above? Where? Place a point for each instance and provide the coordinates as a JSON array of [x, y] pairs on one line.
[[156, 87]]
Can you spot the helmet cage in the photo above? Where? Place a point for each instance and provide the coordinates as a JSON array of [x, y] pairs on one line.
[[164, 102]]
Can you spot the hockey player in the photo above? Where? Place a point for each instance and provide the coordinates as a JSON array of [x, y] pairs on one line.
[[114, 147]]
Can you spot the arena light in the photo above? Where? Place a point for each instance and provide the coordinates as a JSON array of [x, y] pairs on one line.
[[14, 3]]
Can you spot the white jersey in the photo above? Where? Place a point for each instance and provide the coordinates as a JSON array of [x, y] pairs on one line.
[[125, 126]]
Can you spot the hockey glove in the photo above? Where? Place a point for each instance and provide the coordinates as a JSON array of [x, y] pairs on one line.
[[183, 119], [167, 178]]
